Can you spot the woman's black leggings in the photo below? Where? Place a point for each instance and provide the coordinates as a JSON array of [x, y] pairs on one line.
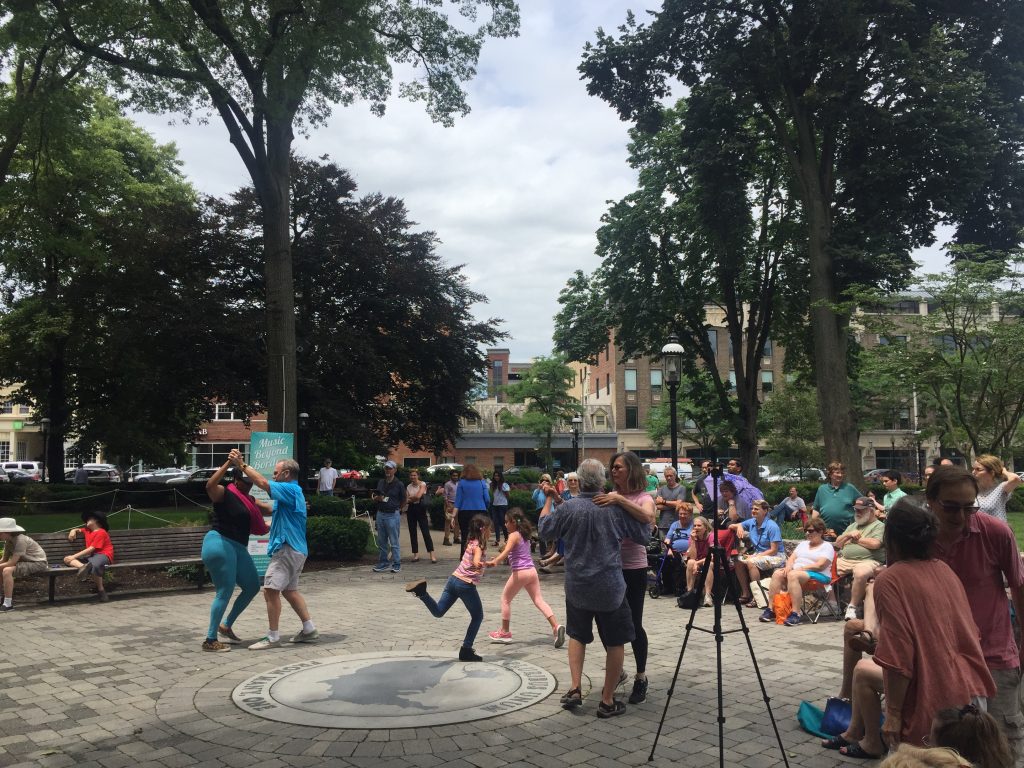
[[417, 516], [636, 590]]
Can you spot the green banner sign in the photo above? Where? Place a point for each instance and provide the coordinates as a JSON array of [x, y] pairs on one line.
[[265, 450]]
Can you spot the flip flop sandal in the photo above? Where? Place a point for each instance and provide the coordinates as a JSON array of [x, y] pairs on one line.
[[751, 603], [835, 742], [855, 750], [611, 710], [572, 699]]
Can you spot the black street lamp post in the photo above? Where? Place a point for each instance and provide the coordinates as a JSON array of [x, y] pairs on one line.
[[577, 422], [303, 448], [672, 353], [45, 422]]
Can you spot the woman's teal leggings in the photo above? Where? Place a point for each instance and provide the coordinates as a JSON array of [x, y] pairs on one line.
[[229, 563]]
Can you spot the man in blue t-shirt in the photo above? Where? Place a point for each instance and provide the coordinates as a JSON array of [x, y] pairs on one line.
[[287, 549], [764, 543]]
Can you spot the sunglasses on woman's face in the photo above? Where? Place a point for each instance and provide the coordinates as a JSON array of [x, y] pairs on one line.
[[811, 530]]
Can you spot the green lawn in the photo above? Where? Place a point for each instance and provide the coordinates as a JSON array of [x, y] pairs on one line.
[[118, 521]]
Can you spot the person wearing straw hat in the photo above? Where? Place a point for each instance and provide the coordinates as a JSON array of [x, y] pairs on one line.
[[22, 557], [98, 552]]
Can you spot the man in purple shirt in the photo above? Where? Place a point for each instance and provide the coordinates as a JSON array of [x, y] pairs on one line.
[[982, 551]]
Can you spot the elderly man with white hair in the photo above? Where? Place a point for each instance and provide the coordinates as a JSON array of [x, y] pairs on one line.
[[861, 552], [595, 590]]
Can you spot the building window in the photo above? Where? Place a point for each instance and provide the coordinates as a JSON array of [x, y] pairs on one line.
[[497, 379], [608, 384], [22, 453], [411, 463], [607, 353], [24, 410], [902, 419], [689, 424], [630, 380], [208, 455], [730, 347], [470, 460], [472, 421], [499, 463], [732, 379], [6, 407], [600, 420], [767, 351], [713, 340], [884, 341], [767, 381], [906, 307], [5, 450], [656, 377], [632, 417], [223, 412]]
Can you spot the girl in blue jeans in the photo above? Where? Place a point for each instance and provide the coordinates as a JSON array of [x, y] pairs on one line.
[[461, 585]]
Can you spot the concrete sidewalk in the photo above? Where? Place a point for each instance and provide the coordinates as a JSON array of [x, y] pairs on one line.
[[125, 684]]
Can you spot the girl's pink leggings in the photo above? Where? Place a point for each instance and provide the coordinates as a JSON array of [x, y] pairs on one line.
[[525, 579]]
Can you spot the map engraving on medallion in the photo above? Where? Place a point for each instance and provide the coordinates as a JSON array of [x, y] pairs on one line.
[[402, 689]]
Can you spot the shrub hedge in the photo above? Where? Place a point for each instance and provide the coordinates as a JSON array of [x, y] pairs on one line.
[[336, 538]]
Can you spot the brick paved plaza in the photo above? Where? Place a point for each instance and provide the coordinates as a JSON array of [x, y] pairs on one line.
[[125, 684]]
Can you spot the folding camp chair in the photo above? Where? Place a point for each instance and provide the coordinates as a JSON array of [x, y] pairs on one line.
[[820, 597]]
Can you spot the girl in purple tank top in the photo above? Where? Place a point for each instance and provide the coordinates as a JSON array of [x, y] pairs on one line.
[[524, 576]]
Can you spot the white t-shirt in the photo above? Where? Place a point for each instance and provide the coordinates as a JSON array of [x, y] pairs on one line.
[[806, 556], [327, 477]]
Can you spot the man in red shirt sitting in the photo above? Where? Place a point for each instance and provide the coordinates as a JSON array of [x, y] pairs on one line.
[[98, 552]]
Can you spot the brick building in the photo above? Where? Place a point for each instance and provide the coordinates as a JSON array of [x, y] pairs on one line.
[[222, 431]]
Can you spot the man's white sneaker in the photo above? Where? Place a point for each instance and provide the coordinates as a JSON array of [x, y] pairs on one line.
[[306, 637], [264, 643], [851, 613]]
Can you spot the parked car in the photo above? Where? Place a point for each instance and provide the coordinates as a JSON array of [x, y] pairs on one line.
[[161, 475], [98, 473], [3, 476], [34, 468], [874, 476], [763, 472], [796, 475], [199, 476], [351, 474], [513, 471], [444, 468], [20, 476]]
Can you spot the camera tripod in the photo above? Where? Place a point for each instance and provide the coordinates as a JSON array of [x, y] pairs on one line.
[[718, 559]]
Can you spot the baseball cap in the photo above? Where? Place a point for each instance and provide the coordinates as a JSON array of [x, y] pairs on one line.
[[390, 465]]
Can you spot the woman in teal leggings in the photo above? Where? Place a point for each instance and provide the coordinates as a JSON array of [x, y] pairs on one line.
[[226, 556]]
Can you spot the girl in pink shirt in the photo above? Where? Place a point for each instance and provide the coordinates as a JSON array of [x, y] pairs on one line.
[[461, 585], [524, 576]]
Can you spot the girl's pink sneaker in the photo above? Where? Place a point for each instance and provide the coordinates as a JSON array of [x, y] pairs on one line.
[[497, 636]]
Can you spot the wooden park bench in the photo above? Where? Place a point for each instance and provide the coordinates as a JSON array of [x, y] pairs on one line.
[[135, 548]]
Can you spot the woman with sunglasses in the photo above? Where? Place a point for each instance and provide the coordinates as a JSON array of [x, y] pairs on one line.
[[811, 560], [995, 484], [928, 656]]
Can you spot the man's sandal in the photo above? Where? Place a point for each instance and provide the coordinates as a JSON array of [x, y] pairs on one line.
[[572, 699]]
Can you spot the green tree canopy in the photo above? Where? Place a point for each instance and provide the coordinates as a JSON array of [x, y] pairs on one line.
[[388, 347], [266, 69], [964, 359], [545, 390], [109, 316], [886, 119]]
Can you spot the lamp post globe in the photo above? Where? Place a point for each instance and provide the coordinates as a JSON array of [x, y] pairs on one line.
[[672, 354]]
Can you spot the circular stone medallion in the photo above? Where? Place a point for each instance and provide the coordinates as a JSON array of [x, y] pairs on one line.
[[400, 689]]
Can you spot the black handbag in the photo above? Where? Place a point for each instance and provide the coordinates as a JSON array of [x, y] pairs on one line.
[[689, 600]]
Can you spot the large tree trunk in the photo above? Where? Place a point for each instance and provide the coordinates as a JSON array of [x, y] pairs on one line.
[[829, 330], [57, 411], [281, 362], [746, 437]]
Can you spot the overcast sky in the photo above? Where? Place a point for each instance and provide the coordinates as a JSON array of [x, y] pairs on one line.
[[515, 190]]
